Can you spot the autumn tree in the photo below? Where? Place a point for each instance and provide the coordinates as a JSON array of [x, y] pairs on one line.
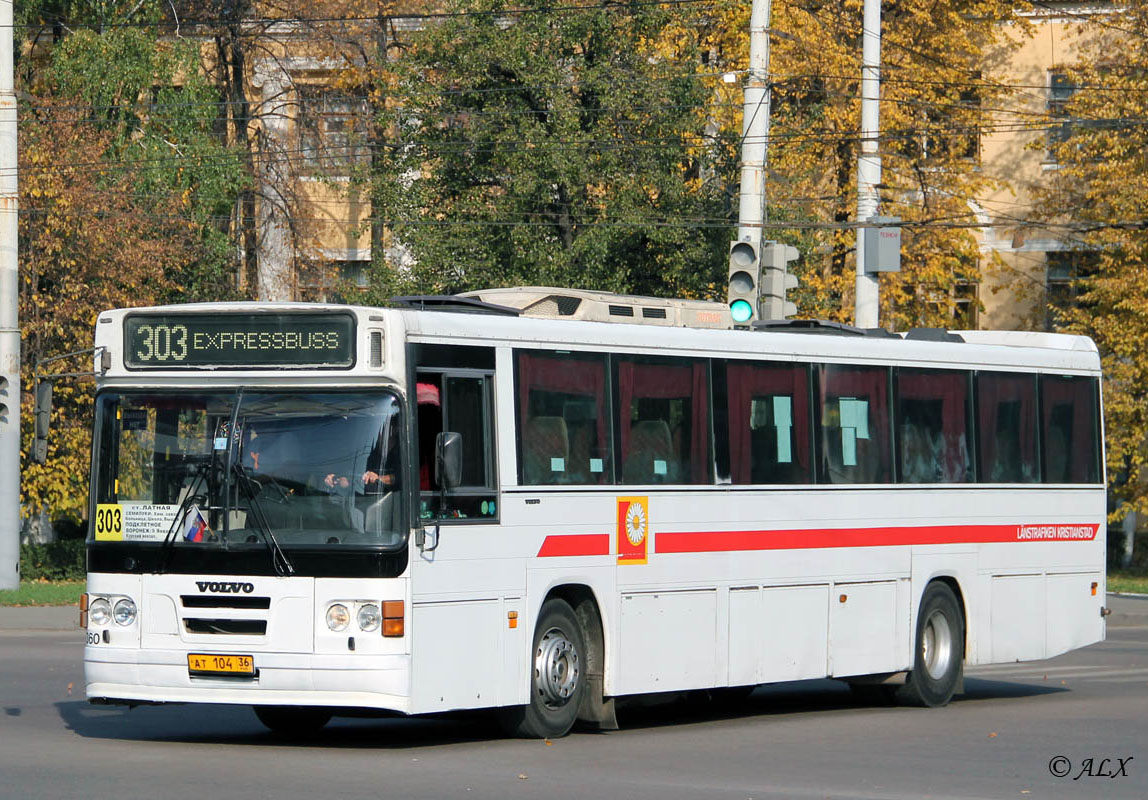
[[88, 241], [125, 196], [1097, 201], [935, 105], [541, 146]]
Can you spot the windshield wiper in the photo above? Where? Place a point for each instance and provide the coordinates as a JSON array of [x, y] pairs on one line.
[[279, 561]]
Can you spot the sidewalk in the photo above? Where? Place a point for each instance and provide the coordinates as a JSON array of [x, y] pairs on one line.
[[1127, 611]]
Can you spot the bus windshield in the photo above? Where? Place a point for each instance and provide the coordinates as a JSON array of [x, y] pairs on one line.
[[224, 469]]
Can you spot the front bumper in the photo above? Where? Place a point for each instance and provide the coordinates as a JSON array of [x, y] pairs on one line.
[[161, 676]]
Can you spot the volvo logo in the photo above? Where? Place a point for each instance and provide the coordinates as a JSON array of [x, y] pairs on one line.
[[225, 587]]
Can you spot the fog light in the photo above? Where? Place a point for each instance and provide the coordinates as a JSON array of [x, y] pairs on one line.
[[100, 612], [338, 617], [369, 617], [124, 612]]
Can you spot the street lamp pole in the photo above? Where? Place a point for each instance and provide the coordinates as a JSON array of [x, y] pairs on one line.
[[9, 315], [868, 162]]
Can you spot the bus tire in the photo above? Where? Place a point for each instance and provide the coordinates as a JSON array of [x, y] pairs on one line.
[[292, 720], [557, 676], [938, 661]]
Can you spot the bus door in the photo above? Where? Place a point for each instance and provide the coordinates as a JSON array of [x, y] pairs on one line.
[[462, 584]]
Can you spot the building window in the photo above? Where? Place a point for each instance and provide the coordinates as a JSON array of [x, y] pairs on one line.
[[1061, 88], [965, 304], [958, 304], [1066, 279], [331, 281], [333, 129], [947, 129]]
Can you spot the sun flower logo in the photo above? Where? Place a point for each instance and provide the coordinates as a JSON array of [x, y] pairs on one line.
[[636, 523]]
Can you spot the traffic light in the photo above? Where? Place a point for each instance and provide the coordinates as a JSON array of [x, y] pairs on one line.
[[744, 281], [777, 280]]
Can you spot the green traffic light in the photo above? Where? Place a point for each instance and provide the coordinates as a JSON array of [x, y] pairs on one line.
[[741, 310]]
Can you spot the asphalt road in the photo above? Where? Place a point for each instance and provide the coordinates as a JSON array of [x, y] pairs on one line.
[[1015, 726]]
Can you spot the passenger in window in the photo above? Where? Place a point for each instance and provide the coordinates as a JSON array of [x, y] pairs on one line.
[[383, 457], [921, 450], [430, 426], [956, 458]]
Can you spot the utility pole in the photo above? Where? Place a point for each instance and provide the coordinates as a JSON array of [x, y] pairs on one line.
[[9, 315], [744, 289], [868, 162], [755, 127]]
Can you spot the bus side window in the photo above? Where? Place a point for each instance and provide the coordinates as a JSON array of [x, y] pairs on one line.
[[933, 422], [462, 403], [768, 412], [1070, 444], [664, 422], [1007, 428], [563, 418], [854, 424]]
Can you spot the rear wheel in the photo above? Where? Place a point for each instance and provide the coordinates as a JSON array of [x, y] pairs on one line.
[[557, 676], [940, 652], [292, 720]]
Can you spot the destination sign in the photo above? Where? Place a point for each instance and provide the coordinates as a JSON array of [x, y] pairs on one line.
[[192, 341]]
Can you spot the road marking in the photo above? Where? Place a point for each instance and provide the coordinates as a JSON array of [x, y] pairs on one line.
[[1087, 673], [1030, 667]]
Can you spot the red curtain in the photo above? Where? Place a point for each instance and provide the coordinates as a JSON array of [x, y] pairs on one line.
[[864, 383], [1077, 393], [993, 389], [665, 382], [952, 389], [567, 375], [746, 381]]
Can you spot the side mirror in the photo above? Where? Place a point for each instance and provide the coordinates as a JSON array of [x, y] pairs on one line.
[[43, 421], [448, 459]]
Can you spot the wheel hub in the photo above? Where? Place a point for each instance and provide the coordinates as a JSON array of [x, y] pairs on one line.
[[557, 668], [937, 645]]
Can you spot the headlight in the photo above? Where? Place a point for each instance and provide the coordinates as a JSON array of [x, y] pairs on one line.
[[100, 612], [338, 617], [124, 612], [369, 617]]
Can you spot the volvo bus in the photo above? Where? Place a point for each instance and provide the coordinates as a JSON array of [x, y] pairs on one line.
[[540, 501]]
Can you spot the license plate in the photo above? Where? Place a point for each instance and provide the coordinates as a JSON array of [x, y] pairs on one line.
[[204, 663]]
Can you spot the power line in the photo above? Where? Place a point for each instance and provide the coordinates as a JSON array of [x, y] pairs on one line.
[[374, 18]]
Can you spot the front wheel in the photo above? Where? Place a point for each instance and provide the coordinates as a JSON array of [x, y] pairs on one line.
[[940, 650], [557, 676], [292, 720]]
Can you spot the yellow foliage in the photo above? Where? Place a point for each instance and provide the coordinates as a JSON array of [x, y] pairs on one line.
[[931, 98], [86, 245]]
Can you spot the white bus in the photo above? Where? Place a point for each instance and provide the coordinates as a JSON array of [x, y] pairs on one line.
[[312, 509]]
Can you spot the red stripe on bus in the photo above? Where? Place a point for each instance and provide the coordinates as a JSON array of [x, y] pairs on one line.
[[817, 538], [576, 544]]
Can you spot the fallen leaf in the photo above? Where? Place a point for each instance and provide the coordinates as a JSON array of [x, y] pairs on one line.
[[549, 743], [993, 735], [522, 776]]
